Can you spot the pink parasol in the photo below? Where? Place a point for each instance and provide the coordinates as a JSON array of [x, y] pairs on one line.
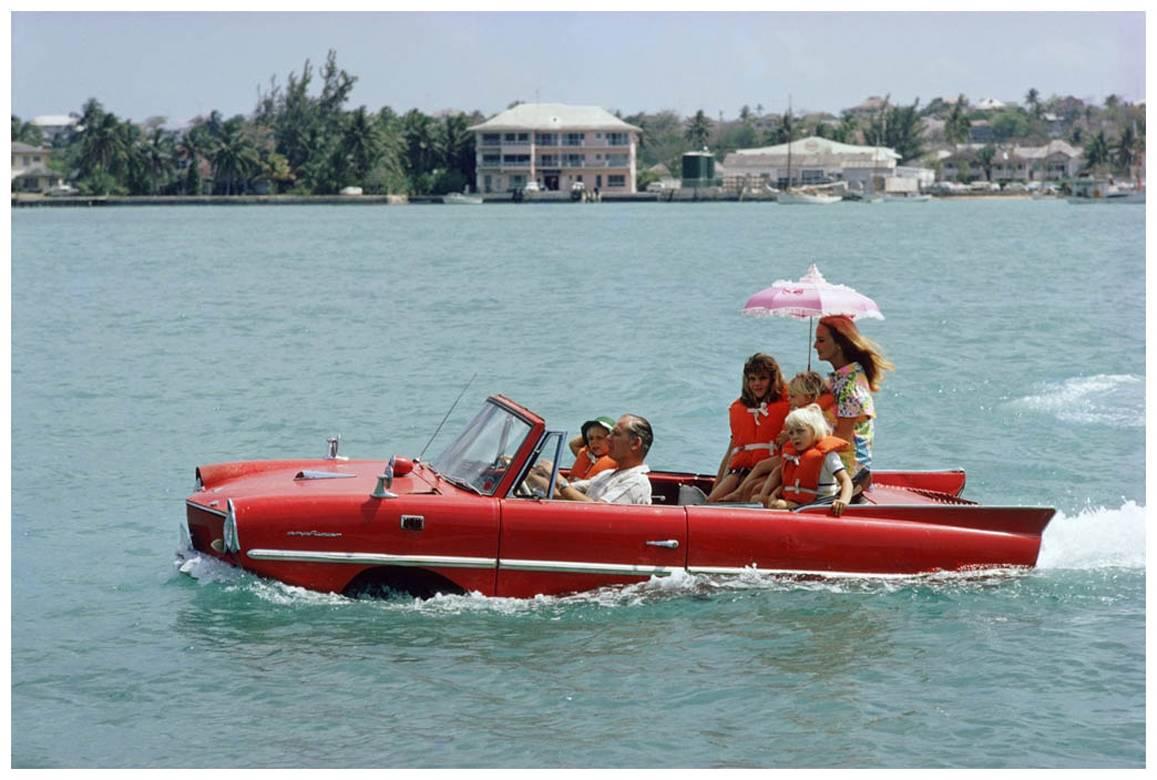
[[812, 296]]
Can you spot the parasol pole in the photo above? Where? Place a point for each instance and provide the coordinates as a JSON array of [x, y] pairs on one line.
[[810, 320]]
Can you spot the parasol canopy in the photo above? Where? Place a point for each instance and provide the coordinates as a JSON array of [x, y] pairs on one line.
[[812, 296]]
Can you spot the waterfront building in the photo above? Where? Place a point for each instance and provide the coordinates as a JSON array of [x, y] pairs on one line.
[[30, 171], [813, 161], [52, 125], [556, 146], [1055, 161]]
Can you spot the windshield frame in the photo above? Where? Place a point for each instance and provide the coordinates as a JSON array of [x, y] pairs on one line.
[[491, 477]]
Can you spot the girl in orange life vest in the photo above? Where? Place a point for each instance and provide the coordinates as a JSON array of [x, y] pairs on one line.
[[756, 418], [806, 387], [812, 468], [593, 458]]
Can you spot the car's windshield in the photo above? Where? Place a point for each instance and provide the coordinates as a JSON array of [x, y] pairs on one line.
[[480, 456]]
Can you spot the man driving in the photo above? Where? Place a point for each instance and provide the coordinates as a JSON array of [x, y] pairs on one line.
[[630, 440]]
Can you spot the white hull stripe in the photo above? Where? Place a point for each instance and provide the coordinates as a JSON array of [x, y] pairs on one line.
[[375, 559]]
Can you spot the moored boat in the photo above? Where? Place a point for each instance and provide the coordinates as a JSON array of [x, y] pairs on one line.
[[468, 522], [804, 198], [1102, 191], [461, 199]]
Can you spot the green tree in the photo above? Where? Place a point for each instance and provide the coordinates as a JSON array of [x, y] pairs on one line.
[[1032, 98], [234, 157], [26, 132], [985, 157], [160, 152], [103, 146], [848, 129], [1009, 124], [957, 125], [1097, 152], [1126, 149], [456, 145], [193, 147], [698, 130], [418, 135]]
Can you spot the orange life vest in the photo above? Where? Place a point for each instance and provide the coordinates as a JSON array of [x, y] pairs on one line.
[[753, 431], [801, 470], [585, 466]]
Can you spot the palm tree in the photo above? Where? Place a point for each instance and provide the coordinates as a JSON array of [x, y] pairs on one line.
[[1097, 151], [160, 153], [958, 124], [1126, 149], [193, 147], [102, 146], [361, 144], [698, 129], [234, 158], [1033, 100], [420, 147], [457, 145]]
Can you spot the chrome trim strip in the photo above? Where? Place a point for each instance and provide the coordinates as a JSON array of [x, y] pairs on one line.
[[204, 508], [579, 567], [375, 559], [736, 570]]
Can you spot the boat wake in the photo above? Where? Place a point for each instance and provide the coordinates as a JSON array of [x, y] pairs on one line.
[[1095, 538], [1116, 400]]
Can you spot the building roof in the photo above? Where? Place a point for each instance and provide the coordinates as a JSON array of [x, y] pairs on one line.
[[554, 116], [53, 120], [989, 104], [1006, 152], [24, 148], [813, 152]]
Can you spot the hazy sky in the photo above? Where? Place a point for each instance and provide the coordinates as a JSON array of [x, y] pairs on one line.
[[179, 65]]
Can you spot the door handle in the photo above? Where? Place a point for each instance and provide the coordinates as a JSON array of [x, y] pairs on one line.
[[670, 544]]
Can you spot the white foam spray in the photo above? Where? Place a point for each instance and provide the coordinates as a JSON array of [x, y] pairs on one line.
[[1095, 538], [1116, 400]]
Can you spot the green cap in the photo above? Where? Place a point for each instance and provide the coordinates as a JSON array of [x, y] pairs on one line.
[[606, 422]]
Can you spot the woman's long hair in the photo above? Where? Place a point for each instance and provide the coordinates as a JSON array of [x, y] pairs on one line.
[[761, 363], [856, 347]]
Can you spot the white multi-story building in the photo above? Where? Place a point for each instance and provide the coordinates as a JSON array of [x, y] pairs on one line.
[[556, 146]]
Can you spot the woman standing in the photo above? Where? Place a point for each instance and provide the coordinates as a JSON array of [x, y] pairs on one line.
[[859, 369]]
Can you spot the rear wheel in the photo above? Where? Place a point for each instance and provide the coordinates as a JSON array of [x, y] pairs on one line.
[[393, 581]]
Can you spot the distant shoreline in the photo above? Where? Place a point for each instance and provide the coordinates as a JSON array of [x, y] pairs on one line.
[[40, 201]]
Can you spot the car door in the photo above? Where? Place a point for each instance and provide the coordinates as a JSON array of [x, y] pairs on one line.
[[551, 547]]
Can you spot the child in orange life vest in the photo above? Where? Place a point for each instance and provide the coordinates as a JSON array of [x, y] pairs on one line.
[[592, 457], [811, 468], [756, 419], [806, 387]]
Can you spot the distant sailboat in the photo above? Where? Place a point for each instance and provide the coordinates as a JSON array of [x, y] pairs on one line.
[[808, 197]]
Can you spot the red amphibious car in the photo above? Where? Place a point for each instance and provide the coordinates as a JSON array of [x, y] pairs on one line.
[[466, 522]]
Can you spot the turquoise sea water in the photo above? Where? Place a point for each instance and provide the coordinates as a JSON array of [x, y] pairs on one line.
[[147, 341]]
